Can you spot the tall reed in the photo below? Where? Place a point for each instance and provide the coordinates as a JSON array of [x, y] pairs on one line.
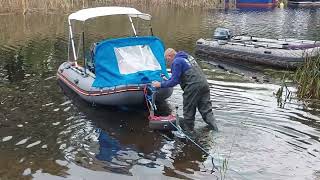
[[24, 6], [307, 78]]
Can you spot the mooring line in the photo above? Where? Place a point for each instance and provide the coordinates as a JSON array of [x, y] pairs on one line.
[[195, 143], [202, 149]]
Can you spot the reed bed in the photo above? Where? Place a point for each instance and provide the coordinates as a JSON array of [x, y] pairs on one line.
[[9, 6], [307, 78]]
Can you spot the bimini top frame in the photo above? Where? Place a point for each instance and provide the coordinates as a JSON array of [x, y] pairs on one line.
[[85, 14]]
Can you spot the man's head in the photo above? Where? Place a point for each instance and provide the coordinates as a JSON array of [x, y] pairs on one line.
[[169, 55]]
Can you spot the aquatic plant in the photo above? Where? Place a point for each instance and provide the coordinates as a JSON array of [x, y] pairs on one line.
[[307, 78], [223, 169], [283, 94]]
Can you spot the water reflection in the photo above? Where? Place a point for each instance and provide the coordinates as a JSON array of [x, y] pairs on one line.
[[125, 143], [15, 67], [108, 147], [277, 23]]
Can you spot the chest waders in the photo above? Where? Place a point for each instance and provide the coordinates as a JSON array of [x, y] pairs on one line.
[[196, 95]]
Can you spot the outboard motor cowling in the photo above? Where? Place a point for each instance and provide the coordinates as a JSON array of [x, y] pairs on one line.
[[222, 34]]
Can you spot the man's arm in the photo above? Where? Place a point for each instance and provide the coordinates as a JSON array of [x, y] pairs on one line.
[[175, 77]]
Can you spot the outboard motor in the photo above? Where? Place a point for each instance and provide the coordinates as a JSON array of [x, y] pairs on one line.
[[222, 34]]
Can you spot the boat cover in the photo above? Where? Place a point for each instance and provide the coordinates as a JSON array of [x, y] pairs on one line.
[[128, 61]]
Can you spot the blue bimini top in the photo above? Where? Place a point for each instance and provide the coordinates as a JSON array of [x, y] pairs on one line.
[[129, 61]]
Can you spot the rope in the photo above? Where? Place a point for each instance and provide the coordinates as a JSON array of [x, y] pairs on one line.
[[149, 98], [200, 147], [145, 96]]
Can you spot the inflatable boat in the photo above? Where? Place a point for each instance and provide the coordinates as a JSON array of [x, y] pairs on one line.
[[117, 71], [279, 53]]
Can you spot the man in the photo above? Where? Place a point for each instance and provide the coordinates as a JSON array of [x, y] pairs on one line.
[[196, 92]]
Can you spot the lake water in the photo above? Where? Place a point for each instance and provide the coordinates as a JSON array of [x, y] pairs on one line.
[[47, 132]]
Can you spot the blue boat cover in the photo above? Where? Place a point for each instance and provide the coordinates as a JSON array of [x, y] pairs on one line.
[[131, 60]]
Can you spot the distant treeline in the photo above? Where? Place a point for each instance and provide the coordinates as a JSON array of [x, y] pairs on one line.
[[24, 6]]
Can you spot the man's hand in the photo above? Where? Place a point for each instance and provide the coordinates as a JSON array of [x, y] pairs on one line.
[[156, 84], [164, 77]]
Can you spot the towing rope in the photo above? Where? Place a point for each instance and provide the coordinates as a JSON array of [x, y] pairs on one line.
[[145, 96], [197, 145], [203, 150], [149, 98]]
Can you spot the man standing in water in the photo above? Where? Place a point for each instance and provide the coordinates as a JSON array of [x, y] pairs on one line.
[[196, 91]]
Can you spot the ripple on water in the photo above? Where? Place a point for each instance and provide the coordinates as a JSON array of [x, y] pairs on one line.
[[48, 104], [66, 109], [258, 112], [7, 138], [69, 118], [33, 144], [56, 123], [63, 146], [23, 141], [66, 103], [26, 172], [48, 78]]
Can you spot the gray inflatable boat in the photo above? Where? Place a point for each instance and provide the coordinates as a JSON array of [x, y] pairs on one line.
[[81, 83], [279, 53], [118, 70]]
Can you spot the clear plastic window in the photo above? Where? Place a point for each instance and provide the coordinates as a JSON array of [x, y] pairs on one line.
[[132, 59]]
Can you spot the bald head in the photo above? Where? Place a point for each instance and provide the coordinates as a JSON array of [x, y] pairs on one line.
[[169, 55]]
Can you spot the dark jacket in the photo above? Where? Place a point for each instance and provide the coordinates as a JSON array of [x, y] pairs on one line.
[[179, 65]]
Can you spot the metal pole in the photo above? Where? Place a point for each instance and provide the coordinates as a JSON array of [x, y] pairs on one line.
[[72, 42], [69, 47], [151, 29], [133, 28], [84, 54]]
